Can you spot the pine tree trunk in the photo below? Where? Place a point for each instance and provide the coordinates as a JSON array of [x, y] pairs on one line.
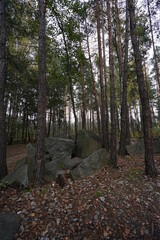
[[105, 81], [103, 117], [154, 50], [93, 85], [41, 116], [49, 122], [119, 49], [146, 114], [124, 107], [3, 164], [83, 98], [113, 155]]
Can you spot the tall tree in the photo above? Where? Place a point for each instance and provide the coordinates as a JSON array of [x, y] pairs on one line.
[[146, 114], [103, 121], [41, 115], [105, 76], [154, 50], [93, 83], [3, 164], [112, 91], [124, 107]]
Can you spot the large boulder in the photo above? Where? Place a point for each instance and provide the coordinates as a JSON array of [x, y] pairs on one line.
[[9, 224], [18, 177], [72, 163], [59, 148], [139, 147], [91, 164], [87, 143]]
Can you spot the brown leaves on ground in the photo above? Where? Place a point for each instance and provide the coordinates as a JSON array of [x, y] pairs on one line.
[[112, 204]]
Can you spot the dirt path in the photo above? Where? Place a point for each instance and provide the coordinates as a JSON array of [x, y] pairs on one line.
[[14, 153]]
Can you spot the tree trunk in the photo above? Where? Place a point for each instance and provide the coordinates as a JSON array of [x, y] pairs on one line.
[[49, 122], [113, 155], [105, 81], [83, 98], [124, 110], [41, 116], [119, 49], [69, 120], [154, 50], [103, 117], [146, 114], [93, 85], [3, 164]]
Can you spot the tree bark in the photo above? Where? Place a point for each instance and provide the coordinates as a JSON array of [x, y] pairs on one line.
[[93, 84], [3, 164], [154, 50], [103, 117], [119, 49], [124, 107], [41, 116], [105, 81], [113, 155], [146, 114]]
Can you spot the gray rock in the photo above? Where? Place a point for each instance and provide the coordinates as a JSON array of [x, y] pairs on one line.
[[59, 148], [53, 168], [87, 143], [60, 151], [20, 163], [72, 163], [136, 148], [9, 224], [31, 152], [139, 148], [90, 165], [19, 177]]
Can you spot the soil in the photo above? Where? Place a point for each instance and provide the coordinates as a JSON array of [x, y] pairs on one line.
[[115, 204]]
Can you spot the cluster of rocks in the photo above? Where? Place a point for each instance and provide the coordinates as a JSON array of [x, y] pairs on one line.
[[62, 157]]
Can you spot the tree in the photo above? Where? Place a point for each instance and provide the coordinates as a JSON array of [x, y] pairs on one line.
[[3, 164], [146, 114], [124, 107], [112, 91], [154, 49], [41, 115], [103, 115]]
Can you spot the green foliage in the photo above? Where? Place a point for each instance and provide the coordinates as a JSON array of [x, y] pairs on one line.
[[43, 190], [99, 194], [3, 184], [134, 174]]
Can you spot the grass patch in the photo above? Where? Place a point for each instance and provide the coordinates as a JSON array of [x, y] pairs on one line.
[[26, 190], [134, 174], [3, 184], [43, 190], [99, 194], [128, 158]]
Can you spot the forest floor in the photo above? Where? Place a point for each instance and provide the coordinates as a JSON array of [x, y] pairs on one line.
[[112, 204]]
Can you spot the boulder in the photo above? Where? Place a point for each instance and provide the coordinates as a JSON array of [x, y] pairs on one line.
[[20, 163], [91, 164], [31, 153], [72, 163], [59, 148], [18, 177], [139, 148], [87, 143], [9, 224], [136, 148], [52, 169]]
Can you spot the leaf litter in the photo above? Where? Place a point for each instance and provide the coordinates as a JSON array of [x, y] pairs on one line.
[[112, 204]]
